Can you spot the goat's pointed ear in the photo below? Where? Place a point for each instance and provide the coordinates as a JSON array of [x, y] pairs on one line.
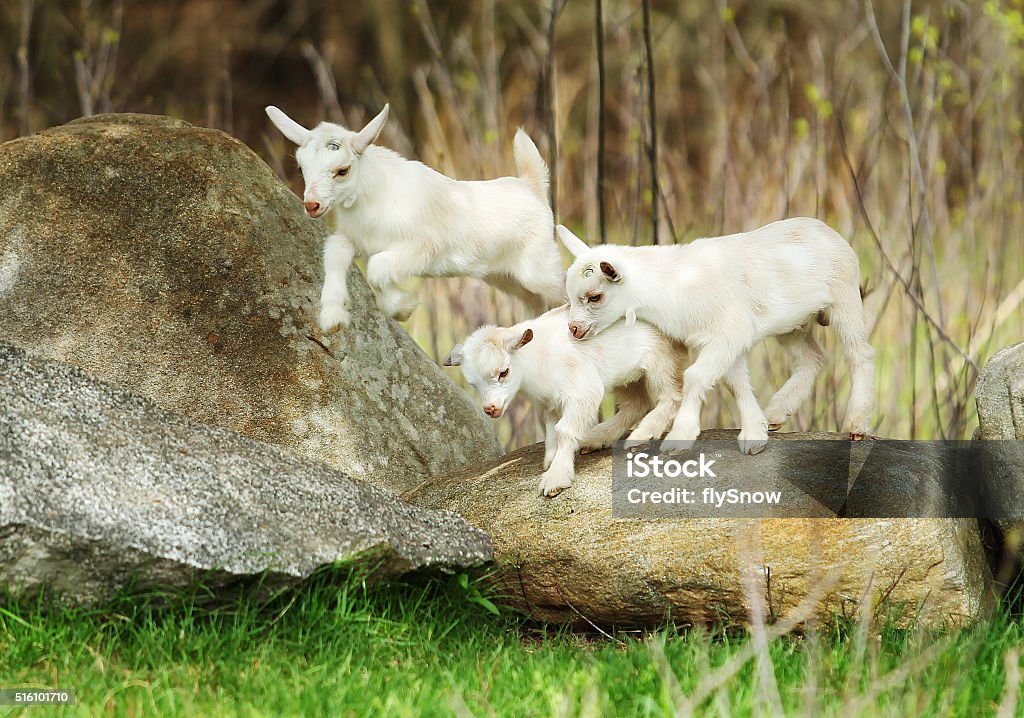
[[366, 136], [516, 341], [610, 273], [289, 127], [454, 357], [574, 244]]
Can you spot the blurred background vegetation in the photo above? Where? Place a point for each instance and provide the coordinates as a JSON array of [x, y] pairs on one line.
[[900, 124]]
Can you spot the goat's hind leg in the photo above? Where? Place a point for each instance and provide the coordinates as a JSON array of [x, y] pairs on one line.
[[541, 276], [511, 287], [663, 382], [808, 359], [848, 320], [384, 272], [753, 424], [633, 403]]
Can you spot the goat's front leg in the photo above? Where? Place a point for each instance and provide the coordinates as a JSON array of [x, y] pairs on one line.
[[338, 255], [384, 272], [712, 364], [753, 424], [569, 430], [550, 440]]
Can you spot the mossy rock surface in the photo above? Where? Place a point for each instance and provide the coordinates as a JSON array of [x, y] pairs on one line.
[[170, 259], [1000, 398], [100, 489]]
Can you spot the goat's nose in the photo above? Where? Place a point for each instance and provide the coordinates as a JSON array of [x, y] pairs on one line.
[[492, 411], [574, 329], [311, 207]]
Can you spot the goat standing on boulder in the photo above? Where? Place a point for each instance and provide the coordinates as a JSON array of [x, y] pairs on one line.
[[411, 221], [721, 295], [569, 379]]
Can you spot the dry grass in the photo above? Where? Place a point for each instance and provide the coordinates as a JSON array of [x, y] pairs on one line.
[[900, 125]]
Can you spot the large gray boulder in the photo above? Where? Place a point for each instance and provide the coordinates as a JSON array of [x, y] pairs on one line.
[[1000, 398], [99, 487], [170, 259], [571, 559]]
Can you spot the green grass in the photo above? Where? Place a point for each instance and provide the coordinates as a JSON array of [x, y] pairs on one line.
[[430, 646]]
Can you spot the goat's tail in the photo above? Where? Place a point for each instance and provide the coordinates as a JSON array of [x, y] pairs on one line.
[[530, 165]]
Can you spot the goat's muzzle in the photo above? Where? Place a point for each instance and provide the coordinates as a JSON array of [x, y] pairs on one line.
[[578, 330], [492, 411]]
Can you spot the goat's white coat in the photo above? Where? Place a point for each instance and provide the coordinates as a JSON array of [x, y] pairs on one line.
[[569, 379], [411, 221], [719, 296]]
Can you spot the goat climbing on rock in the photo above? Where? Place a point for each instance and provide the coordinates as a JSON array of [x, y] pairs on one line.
[[720, 296], [411, 221]]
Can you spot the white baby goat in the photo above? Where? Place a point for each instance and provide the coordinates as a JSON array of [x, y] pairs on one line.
[[568, 380], [721, 295], [411, 221]]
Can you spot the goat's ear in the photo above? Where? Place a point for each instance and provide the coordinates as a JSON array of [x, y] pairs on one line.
[[574, 244], [289, 127], [517, 341], [366, 136], [610, 272], [454, 357]]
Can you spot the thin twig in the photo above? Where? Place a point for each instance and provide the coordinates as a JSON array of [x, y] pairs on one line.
[[556, 8], [599, 40], [589, 622], [885, 256], [652, 148], [24, 67]]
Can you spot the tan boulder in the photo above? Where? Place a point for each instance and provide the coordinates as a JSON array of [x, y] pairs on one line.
[[568, 559]]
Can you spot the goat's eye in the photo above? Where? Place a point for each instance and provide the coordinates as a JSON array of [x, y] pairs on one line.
[[341, 172], [502, 374], [333, 146], [595, 298]]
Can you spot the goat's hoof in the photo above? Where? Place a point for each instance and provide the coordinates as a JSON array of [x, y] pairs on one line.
[[752, 448], [676, 446], [332, 319], [631, 444], [551, 486], [753, 442], [775, 426], [400, 310], [856, 437]]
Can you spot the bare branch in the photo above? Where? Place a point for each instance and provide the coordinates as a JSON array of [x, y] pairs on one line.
[[652, 148], [599, 38]]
